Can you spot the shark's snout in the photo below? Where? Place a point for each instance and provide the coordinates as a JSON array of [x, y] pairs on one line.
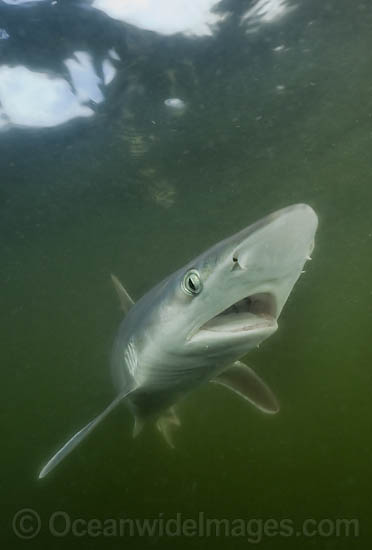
[[261, 264], [278, 243]]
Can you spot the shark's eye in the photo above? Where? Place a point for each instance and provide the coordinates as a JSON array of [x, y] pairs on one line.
[[191, 283]]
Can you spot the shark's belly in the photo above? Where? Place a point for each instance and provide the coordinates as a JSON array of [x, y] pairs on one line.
[[160, 392]]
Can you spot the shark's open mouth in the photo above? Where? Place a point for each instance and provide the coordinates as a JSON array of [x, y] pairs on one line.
[[253, 312]]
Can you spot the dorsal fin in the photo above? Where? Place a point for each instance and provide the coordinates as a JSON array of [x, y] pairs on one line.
[[243, 381], [126, 301]]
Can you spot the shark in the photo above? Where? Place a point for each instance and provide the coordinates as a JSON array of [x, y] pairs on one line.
[[196, 325]]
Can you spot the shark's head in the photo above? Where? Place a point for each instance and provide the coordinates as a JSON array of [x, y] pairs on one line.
[[228, 299]]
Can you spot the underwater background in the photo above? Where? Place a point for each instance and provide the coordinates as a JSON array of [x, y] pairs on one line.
[[101, 174]]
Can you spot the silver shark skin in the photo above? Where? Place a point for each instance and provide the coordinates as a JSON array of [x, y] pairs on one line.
[[196, 324]]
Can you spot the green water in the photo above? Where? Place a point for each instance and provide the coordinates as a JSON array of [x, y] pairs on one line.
[[138, 191]]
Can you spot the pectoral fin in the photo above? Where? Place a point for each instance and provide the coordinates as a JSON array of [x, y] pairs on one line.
[[79, 436], [243, 380], [126, 301]]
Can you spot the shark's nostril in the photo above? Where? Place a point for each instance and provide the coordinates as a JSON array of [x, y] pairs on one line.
[[236, 264]]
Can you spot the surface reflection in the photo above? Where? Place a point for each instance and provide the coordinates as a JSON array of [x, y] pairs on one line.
[[41, 100], [60, 60], [165, 16], [266, 11], [3, 34], [18, 2]]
